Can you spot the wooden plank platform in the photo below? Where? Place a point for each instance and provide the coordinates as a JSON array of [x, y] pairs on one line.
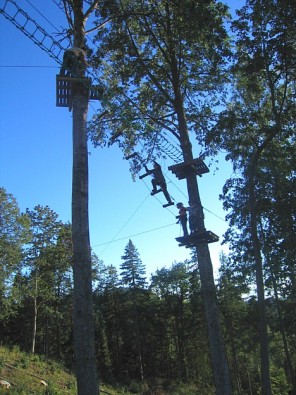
[[196, 238], [197, 166], [64, 90]]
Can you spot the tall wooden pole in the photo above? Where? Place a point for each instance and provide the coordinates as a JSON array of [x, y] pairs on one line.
[[208, 289], [84, 343]]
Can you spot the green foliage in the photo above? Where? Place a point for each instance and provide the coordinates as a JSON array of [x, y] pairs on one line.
[[190, 388], [25, 372], [14, 233], [37, 279], [279, 382], [257, 129], [159, 60], [132, 269], [26, 379]]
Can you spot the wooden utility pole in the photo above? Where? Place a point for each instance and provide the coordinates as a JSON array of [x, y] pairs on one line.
[[83, 321], [84, 344], [74, 92]]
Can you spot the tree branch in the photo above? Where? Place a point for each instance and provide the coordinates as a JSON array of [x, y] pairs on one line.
[[90, 10]]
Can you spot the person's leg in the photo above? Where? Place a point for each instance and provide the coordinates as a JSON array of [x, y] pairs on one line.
[[166, 194], [184, 226], [154, 185]]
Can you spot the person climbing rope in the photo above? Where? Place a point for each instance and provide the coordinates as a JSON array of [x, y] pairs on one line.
[[158, 180]]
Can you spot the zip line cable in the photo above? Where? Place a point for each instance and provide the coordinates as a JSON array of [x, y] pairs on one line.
[[124, 225], [211, 212], [23, 66], [43, 16], [171, 182], [60, 7], [157, 198], [134, 235]]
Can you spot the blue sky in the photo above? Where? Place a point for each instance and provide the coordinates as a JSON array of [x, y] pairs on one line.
[[36, 160]]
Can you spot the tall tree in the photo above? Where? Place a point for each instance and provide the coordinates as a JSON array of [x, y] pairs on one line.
[[84, 346], [180, 327], [173, 285], [259, 117], [57, 316], [14, 233], [132, 268], [231, 287], [133, 275], [44, 228], [163, 65], [109, 297]]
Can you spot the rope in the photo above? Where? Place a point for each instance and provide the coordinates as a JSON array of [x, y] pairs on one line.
[[36, 33], [43, 16], [130, 236], [126, 222], [158, 199]]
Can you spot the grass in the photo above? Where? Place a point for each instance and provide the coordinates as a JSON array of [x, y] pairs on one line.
[[25, 372]]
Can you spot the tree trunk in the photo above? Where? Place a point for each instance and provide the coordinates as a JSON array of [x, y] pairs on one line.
[[138, 337], [35, 315], [208, 289], [85, 358], [217, 348], [264, 352], [229, 328], [83, 325], [291, 374]]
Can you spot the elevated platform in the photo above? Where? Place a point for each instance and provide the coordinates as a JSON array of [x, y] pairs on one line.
[[196, 238], [197, 166], [64, 86]]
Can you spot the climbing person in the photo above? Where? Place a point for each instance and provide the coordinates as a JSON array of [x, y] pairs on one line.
[[192, 218], [182, 218], [158, 180], [74, 62]]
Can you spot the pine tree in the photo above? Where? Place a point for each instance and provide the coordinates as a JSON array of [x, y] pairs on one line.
[[14, 233], [255, 123], [133, 272], [163, 64], [132, 269]]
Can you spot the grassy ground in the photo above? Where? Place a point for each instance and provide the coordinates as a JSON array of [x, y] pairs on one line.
[[27, 374], [34, 375]]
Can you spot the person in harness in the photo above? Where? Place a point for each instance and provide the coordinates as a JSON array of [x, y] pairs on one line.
[[158, 180], [74, 63], [182, 218]]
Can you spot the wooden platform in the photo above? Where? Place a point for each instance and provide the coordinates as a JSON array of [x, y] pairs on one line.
[[64, 90], [196, 238], [197, 166]]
